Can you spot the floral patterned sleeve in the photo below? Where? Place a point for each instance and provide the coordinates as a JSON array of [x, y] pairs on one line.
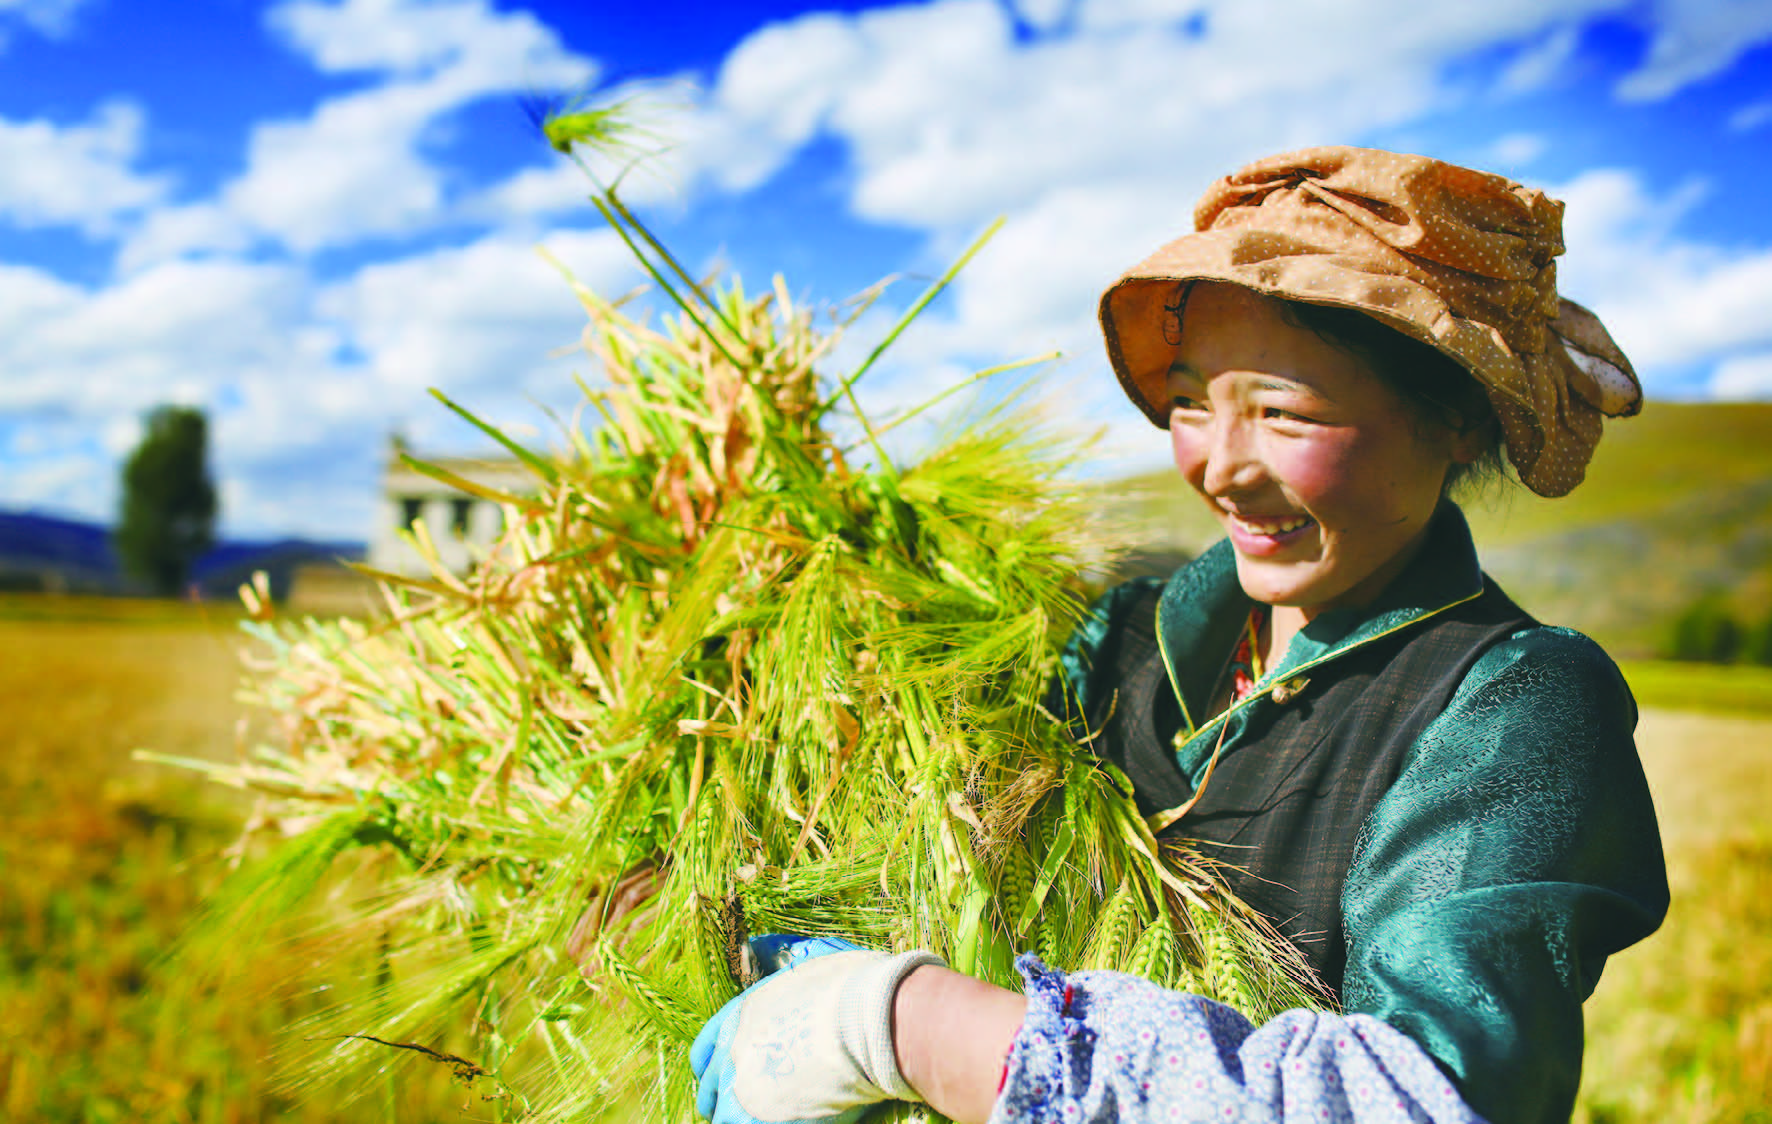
[[1101, 1046]]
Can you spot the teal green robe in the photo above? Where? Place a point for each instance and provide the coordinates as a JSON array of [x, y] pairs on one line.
[[1515, 850]]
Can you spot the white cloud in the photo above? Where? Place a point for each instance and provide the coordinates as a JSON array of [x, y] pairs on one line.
[[1669, 301], [396, 35], [1744, 377], [357, 166], [76, 175], [122, 434], [1541, 62], [302, 385], [1043, 15], [950, 119], [479, 316], [1515, 150], [555, 189], [775, 91], [72, 483], [47, 17], [1751, 116], [1692, 40], [83, 364], [351, 170], [168, 232], [97, 353]]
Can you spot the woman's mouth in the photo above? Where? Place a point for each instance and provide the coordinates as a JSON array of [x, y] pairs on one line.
[[1259, 536]]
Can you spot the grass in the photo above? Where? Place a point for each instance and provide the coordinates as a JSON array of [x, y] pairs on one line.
[[106, 862], [1668, 685], [1645, 467]]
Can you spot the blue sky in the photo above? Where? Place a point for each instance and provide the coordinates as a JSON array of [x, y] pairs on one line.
[[302, 214]]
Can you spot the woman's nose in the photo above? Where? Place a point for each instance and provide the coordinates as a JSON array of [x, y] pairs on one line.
[[1232, 465]]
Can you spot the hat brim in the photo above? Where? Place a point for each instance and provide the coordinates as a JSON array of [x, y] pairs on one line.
[[1135, 310]]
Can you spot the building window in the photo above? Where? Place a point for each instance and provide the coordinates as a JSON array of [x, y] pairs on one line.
[[411, 507], [460, 510]]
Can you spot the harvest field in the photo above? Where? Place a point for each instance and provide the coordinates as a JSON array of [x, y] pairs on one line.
[[105, 862]]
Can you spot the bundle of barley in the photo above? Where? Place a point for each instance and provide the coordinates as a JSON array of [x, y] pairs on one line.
[[719, 677]]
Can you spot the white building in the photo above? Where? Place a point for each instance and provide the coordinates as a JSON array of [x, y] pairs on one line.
[[463, 526]]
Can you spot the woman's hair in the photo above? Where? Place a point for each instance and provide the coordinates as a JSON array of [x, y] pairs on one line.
[[1437, 389]]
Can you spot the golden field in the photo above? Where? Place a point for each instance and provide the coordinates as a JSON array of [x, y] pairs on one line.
[[105, 862]]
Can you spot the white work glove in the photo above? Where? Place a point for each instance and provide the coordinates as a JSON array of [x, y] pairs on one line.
[[810, 1042]]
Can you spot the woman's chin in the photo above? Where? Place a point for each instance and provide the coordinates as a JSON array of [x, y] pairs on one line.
[[1291, 585]]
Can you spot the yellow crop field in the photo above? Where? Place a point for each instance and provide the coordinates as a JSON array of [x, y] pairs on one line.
[[105, 862]]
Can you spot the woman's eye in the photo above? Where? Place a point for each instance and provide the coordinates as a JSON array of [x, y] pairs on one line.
[[1183, 402], [1288, 415]]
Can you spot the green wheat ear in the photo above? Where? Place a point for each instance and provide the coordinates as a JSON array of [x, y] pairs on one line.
[[602, 127], [576, 121]]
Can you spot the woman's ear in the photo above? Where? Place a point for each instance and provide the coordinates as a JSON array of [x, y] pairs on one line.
[[1470, 442]]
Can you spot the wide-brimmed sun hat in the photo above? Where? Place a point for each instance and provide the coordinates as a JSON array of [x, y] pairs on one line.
[[1459, 259]]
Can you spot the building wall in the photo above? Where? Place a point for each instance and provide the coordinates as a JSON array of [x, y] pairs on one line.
[[462, 526]]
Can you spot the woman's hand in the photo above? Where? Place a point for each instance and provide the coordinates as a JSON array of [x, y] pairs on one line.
[[811, 1042]]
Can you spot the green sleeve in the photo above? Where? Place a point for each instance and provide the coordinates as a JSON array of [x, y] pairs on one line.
[[1516, 851]]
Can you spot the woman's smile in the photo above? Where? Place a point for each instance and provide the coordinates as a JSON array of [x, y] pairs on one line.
[[1264, 536]]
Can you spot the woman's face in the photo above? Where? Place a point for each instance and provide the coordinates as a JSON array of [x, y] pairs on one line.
[[1320, 474]]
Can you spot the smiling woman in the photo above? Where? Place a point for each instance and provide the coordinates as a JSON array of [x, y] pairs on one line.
[[1433, 796], [1324, 477]]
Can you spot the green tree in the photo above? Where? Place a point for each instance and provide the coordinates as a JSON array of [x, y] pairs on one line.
[[1706, 631], [167, 515], [1759, 643]]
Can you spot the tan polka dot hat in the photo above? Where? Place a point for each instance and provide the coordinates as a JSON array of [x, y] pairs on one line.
[[1459, 259]]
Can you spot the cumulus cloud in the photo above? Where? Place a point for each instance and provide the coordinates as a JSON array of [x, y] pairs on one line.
[[83, 363], [69, 481], [1669, 300], [357, 166], [950, 113], [113, 350], [949, 116], [1096, 137], [1541, 62], [80, 175], [302, 384], [1743, 378], [1515, 150], [396, 35], [484, 315], [46, 17], [1692, 40]]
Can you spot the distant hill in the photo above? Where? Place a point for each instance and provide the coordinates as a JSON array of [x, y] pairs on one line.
[[1677, 503], [38, 550], [42, 552]]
